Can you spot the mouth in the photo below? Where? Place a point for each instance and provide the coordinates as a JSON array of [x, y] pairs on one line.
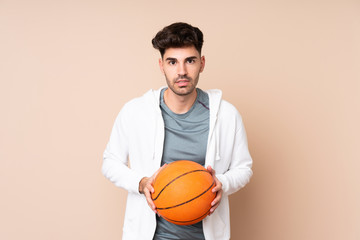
[[182, 82]]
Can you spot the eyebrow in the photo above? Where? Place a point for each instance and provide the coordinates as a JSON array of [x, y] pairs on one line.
[[170, 59], [174, 59]]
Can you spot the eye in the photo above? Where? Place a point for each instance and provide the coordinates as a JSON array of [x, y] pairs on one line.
[[172, 62], [190, 61]]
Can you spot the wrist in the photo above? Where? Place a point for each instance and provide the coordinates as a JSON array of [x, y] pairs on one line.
[[142, 184]]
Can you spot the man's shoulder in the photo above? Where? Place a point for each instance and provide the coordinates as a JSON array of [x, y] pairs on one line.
[[148, 97], [220, 105], [227, 106], [148, 101], [228, 110]]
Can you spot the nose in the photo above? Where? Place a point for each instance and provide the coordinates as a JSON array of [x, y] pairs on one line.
[[181, 69]]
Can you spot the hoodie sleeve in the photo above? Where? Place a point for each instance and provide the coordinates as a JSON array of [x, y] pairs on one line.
[[115, 157], [239, 171]]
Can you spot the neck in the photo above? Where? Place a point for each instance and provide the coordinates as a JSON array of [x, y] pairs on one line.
[[177, 103]]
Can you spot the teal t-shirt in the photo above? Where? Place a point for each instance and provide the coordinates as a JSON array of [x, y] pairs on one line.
[[185, 139]]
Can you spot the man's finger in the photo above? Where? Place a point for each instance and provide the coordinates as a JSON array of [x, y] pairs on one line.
[[213, 208], [218, 185], [216, 199], [149, 200], [211, 170]]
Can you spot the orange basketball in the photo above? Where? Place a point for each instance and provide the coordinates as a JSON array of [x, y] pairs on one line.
[[183, 192]]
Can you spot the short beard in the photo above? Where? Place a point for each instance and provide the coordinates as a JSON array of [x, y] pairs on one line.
[[169, 83]]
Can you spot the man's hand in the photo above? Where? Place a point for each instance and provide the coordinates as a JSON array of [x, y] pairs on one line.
[[217, 189], [146, 188]]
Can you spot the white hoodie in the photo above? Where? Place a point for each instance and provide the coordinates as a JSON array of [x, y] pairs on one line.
[[138, 136]]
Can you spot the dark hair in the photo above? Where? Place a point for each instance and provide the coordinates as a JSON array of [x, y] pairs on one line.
[[178, 35]]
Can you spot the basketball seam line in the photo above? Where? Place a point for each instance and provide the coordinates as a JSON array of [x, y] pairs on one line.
[[175, 180], [169, 219], [188, 200]]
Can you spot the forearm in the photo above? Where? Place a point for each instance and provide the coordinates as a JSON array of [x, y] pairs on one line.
[[120, 174], [234, 179]]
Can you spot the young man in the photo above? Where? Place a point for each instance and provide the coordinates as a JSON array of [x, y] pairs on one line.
[[177, 122]]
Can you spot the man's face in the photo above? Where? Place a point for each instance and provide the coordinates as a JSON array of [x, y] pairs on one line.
[[182, 67]]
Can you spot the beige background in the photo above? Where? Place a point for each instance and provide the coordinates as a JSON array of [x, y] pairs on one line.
[[292, 68]]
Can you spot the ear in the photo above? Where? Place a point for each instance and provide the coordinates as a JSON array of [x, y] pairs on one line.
[[161, 65], [202, 63]]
